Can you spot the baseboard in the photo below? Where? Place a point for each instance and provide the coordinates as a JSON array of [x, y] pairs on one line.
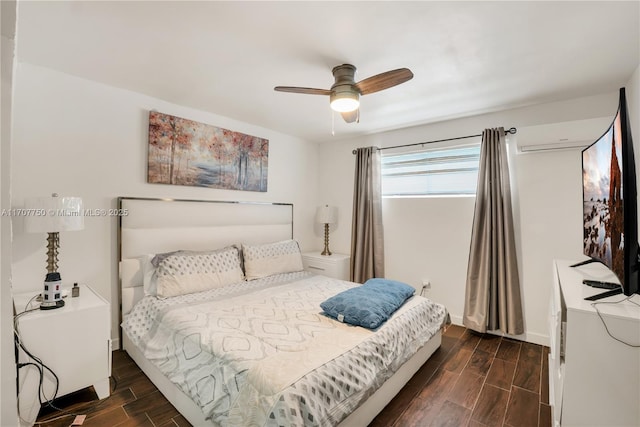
[[531, 337], [456, 320], [115, 344], [537, 338]]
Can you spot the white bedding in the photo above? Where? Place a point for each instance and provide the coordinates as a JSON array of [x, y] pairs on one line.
[[261, 353]]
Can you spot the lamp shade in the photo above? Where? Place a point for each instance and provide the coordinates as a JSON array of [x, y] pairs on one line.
[[53, 214], [326, 214]]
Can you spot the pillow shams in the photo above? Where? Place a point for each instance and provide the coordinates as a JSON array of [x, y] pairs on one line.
[[186, 272], [369, 305], [271, 258], [148, 277], [148, 265]]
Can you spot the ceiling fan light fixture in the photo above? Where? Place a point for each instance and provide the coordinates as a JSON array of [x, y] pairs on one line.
[[345, 101], [344, 95]]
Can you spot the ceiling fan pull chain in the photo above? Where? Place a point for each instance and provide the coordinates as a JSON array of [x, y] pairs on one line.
[[333, 123]]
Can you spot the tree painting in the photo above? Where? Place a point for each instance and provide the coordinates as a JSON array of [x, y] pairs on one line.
[[184, 152]]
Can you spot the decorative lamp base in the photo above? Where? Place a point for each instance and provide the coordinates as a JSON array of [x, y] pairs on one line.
[[326, 250], [53, 245]]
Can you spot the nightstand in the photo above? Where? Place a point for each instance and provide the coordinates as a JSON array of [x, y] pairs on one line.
[[74, 341], [334, 265]]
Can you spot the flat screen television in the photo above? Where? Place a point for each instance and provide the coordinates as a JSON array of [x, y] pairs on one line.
[[610, 220]]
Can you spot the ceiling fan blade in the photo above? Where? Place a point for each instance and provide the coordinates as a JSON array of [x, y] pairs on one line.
[[384, 80], [305, 90], [351, 116]]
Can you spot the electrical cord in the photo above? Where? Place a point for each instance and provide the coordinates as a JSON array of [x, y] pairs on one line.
[[70, 414], [40, 423], [39, 364], [595, 306], [41, 393], [19, 315], [26, 307], [39, 368], [43, 367]]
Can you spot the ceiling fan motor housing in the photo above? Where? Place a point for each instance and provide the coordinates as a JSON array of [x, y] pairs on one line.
[[344, 96]]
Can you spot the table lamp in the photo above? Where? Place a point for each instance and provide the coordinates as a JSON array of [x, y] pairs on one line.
[[52, 215], [326, 215]]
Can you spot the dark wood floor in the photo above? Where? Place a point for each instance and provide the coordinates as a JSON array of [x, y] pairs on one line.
[[475, 380], [471, 380]]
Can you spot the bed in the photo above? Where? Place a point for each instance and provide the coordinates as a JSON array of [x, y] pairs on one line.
[[297, 366]]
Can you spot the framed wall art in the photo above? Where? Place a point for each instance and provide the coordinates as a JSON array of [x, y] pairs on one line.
[[185, 152]]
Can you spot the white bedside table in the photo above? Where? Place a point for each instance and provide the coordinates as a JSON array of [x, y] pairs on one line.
[[334, 265], [74, 341]]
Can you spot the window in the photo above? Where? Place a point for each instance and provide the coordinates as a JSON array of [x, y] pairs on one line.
[[438, 172]]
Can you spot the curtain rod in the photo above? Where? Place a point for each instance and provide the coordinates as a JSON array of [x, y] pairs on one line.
[[511, 131]]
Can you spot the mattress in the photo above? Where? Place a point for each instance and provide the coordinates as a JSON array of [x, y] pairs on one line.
[[261, 353]]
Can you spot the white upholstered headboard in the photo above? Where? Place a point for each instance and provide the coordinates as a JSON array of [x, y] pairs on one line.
[[151, 226]]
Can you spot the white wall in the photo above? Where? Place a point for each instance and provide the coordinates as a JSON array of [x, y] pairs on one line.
[[550, 196], [81, 138], [429, 238], [8, 407], [418, 239]]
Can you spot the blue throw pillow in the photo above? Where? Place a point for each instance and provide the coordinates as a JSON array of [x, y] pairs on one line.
[[369, 305]]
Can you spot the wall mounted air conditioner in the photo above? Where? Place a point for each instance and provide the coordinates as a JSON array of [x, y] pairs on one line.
[[576, 134]]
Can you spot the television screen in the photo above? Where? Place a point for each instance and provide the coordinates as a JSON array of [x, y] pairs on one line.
[[610, 222], [603, 207]]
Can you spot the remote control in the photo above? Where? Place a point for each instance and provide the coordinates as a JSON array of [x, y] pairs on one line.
[[600, 285]]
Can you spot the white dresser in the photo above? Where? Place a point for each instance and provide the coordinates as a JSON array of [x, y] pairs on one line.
[[334, 265], [594, 380]]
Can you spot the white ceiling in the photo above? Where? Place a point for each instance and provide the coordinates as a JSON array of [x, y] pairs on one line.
[[226, 57]]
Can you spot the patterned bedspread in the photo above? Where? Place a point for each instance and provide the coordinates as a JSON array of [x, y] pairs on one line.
[[267, 356]]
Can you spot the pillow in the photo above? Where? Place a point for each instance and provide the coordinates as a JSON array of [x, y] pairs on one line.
[[369, 305], [148, 264], [186, 272], [271, 258], [148, 277]]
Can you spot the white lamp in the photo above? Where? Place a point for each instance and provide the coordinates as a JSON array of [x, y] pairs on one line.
[[326, 215], [52, 215]]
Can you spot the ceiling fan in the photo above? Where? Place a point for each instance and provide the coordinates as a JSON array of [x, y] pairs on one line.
[[344, 94]]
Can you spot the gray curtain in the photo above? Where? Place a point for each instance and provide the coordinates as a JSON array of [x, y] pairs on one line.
[[367, 242], [492, 299]]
